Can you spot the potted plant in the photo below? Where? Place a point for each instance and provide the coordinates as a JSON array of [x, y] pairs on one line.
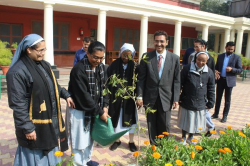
[[244, 63], [248, 64], [14, 46], [5, 56]]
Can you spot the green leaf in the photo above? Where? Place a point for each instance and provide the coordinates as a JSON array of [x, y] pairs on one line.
[[126, 97]]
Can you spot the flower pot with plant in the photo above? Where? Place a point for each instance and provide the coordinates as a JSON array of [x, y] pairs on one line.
[[5, 64], [14, 46], [5, 56], [248, 64], [244, 63]]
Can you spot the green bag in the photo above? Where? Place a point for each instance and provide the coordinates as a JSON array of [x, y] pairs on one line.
[[103, 133]]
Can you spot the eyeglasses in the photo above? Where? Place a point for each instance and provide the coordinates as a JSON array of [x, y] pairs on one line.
[[198, 46], [96, 57], [41, 51]]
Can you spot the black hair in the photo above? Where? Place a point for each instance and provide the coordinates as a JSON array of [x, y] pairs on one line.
[[87, 39], [96, 46], [160, 32], [230, 44], [202, 42]]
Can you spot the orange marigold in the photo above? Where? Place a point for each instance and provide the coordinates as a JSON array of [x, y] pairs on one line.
[[222, 132], [227, 150], [220, 158], [137, 153], [179, 162], [160, 136], [146, 142], [229, 127], [200, 129], [194, 140], [156, 155], [242, 134], [198, 147], [248, 125], [182, 139], [58, 153], [153, 147], [222, 151], [176, 147], [165, 133], [213, 131], [192, 155]]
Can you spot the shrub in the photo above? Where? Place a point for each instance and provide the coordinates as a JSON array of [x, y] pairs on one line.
[[5, 61]]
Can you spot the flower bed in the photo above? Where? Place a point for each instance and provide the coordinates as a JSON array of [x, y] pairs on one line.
[[232, 147]]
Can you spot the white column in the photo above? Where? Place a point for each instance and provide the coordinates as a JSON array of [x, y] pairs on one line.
[[101, 26], [143, 36], [216, 42], [226, 36], [239, 41], [232, 35], [177, 38], [222, 46], [48, 32], [248, 45], [205, 32]]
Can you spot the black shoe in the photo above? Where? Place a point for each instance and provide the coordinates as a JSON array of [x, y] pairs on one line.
[[208, 134], [115, 146], [214, 116], [92, 163], [223, 120], [132, 147]]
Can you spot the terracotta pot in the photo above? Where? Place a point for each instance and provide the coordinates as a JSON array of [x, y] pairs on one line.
[[244, 67], [5, 69], [248, 67], [13, 51]]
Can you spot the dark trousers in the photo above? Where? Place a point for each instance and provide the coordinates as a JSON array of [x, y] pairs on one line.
[[158, 122], [221, 86]]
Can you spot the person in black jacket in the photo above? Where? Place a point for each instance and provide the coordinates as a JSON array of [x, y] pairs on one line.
[[198, 94], [34, 96]]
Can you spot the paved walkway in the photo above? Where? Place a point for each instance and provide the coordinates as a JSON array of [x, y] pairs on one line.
[[239, 115]]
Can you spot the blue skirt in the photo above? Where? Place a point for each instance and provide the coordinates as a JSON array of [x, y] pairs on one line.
[[27, 157]]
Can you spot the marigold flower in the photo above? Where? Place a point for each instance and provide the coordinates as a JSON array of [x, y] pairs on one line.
[[242, 134], [248, 125], [182, 139], [213, 131], [111, 164], [247, 137], [220, 158], [146, 142], [198, 147], [192, 155], [228, 150], [222, 151], [222, 132], [176, 147], [156, 155], [168, 164], [72, 154], [153, 147], [58, 153], [160, 136], [194, 140], [165, 133], [229, 127], [179, 162], [200, 129], [137, 153]]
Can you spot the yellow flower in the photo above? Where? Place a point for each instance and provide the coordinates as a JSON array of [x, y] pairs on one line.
[[111, 164], [160, 136], [200, 129], [194, 140], [213, 131], [227, 150], [248, 125], [242, 134], [222, 151], [146, 142], [229, 127], [137, 153], [198, 147], [156, 155], [165, 133], [222, 132], [153, 147], [58, 153], [179, 162], [72, 154], [176, 147], [182, 139], [192, 155], [168, 164]]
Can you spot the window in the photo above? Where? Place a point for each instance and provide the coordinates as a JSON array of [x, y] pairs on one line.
[[61, 36], [11, 33], [37, 27], [170, 42], [187, 43], [122, 35]]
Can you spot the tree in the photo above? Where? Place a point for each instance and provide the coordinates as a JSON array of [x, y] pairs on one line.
[[215, 6]]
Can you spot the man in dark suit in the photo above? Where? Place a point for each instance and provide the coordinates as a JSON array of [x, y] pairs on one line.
[[159, 85], [227, 67]]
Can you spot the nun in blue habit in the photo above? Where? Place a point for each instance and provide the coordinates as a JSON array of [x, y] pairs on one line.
[[34, 96]]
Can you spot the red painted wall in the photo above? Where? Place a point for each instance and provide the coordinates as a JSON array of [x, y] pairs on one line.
[[25, 17], [179, 3]]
